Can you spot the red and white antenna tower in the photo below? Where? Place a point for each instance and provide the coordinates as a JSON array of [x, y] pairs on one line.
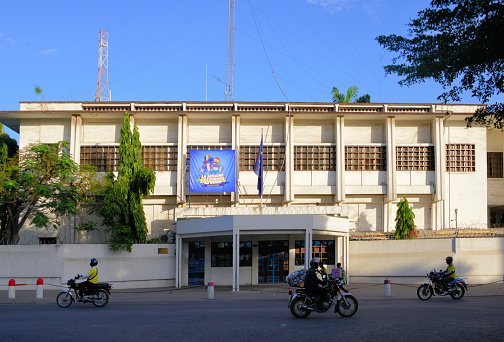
[[102, 89], [230, 63]]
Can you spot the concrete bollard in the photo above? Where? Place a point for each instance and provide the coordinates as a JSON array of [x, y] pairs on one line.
[[39, 289], [210, 294], [12, 289], [386, 287]]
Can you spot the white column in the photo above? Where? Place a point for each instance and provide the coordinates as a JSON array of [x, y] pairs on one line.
[[235, 132], [339, 126], [391, 160], [178, 260], [181, 158], [308, 246], [288, 187], [236, 260]]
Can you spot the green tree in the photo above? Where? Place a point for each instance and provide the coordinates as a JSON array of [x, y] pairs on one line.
[[364, 99], [121, 205], [7, 143], [458, 44], [404, 220], [351, 94], [43, 185]]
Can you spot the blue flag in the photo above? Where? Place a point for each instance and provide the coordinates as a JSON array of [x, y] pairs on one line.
[[258, 168]]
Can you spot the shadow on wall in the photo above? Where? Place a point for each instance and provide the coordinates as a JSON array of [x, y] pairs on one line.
[[363, 225]]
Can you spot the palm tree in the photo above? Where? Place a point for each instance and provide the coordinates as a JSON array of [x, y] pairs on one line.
[[340, 98]]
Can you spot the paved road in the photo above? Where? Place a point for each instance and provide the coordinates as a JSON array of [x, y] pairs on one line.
[[257, 315]]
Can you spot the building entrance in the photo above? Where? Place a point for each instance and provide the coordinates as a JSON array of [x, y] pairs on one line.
[[196, 263], [273, 263]]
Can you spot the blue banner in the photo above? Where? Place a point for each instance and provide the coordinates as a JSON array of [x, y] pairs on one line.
[[212, 171]]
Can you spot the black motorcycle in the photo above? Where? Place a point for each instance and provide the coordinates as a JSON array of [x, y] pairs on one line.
[[301, 304], [98, 294], [456, 288]]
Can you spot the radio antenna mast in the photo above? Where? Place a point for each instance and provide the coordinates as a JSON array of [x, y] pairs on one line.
[[102, 88], [230, 63]]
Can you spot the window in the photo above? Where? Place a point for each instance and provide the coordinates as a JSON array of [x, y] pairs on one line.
[[246, 253], [273, 157], [415, 158], [315, 158], [322, 249], [494, 165], [222, 254], [160, 158], [460, 158], [365, 158], [47, 241], [104, 158]]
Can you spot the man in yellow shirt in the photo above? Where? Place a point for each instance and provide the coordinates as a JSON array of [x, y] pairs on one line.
[[92, 277], [449, 274]]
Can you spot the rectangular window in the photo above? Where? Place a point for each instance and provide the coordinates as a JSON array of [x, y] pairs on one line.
[[494, 165], [415, 158], [315, 158], [47, 241], [273, 157], [365, 158], [460, 158], [160, 158], [222, 254], [322, 249], [104, 158]]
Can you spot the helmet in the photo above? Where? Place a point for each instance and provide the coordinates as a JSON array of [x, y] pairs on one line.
[[449, 260], [314, 263], [93, 262]]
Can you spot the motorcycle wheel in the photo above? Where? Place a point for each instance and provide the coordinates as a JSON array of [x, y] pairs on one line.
[[64, 299], [297, 310], [347, 306], [104, 298], [459, 292], [424, 292]]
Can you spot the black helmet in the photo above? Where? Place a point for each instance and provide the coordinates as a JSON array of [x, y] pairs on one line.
[[314, 263], [93, 262], [449, 260]]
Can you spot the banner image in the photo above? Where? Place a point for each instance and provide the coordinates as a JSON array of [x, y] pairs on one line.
[[212, 171]]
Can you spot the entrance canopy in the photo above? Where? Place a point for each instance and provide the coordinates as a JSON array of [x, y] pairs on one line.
[[237, 225]]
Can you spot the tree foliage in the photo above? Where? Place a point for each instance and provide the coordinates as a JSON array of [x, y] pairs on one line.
[[351, 94], [43, 185], [121, 206], [7, 144], [458, 44], [404, 220]]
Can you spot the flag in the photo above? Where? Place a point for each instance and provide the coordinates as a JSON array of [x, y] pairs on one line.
[[258, 168]]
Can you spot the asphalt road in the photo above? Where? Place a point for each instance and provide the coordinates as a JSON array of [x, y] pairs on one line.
[[256, 319]]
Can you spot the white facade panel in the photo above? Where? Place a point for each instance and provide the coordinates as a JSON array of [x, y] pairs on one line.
[[152, 132], [310, 133], [413, 134], [359, 134], [209, 133], [250, 132], [101, 132]]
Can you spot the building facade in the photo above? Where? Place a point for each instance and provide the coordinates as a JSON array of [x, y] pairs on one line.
[[346, 160]]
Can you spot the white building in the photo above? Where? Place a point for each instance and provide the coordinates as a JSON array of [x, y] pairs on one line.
[[348, 160]]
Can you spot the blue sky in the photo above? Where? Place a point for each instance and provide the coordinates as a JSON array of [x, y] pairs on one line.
[[285, 50]]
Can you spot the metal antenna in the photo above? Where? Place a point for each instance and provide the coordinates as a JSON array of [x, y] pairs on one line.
[[230, 63], [102, 88]]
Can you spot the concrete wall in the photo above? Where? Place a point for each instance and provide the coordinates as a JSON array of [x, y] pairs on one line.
[[55, 264], [481, 260]]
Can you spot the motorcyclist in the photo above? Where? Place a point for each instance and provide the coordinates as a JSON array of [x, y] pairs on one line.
[[312, 283], [91, 276], [448, 274]]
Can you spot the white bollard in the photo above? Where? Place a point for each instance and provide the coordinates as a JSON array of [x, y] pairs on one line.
[[39, 289], [210, 294], [386, 287], [12, 289]]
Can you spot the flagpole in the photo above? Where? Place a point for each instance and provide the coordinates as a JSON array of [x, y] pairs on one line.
[[262, 174]]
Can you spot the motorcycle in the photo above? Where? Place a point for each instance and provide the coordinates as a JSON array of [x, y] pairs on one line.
[[456, 288], [301, 304], [98, 294]]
